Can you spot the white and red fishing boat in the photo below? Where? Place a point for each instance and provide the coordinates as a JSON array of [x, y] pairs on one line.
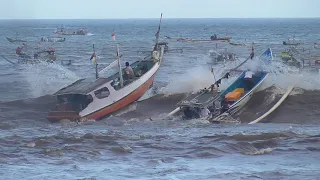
[[85, 99]]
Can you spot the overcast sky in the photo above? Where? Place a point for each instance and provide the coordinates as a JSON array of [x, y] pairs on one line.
[[109, 9]]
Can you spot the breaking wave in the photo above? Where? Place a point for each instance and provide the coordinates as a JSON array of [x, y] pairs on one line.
[[300, 107]]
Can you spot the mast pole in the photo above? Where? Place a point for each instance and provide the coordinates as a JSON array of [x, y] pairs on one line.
[[96, 64], [120, 68], [113, 35], [158, 32]]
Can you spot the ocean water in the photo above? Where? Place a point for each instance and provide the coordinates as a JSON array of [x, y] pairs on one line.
[[136, 142]]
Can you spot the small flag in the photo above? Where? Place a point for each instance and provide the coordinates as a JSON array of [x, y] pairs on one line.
[[113, 35], [93, 58], [267, 56]]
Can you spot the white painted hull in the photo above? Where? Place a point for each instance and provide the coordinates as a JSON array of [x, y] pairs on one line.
[[94, 109]]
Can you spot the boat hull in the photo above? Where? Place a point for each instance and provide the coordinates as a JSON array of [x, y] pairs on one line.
[[14, 40], [244, 100], [207, 99], [132, 97], [57, 116]]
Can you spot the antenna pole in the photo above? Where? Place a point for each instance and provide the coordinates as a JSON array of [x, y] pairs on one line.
[[96, 64]]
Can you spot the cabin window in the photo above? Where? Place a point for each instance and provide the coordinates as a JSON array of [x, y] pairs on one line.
[[102, 93]]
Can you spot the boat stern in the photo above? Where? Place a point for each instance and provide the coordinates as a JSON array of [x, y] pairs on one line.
[[68, 107], [57, 116]]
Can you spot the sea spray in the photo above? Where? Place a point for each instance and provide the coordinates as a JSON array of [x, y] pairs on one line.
[[45, 78]]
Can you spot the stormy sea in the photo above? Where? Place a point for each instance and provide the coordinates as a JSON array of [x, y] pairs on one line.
[[137, 142]]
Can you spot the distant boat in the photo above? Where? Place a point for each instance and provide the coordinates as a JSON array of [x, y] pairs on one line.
[[63, 31], [212, 39], [15, 40], [52, 39], [290, 43], [227, 39], [47, 55], [237, 44], [166, 49], [222, 56], [215, 38]]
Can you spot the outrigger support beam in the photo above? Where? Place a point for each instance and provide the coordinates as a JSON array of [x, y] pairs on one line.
[[290, 88]]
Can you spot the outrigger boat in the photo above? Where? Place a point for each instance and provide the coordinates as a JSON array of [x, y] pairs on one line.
[[229, 101], [47, 55], [166, 49], [16, 39], [291, 42], [226, 103], [204, 40], [289, 59], [212, 38], [85, 99], [237, 44], [222, 56], [52, 39], [63, 31]]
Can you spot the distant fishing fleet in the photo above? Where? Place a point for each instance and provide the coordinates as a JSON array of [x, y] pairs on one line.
[[93, 99], [40, 53]]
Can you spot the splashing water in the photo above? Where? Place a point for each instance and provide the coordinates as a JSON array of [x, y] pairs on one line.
[[44, 78], [280, 75], [193, 80]]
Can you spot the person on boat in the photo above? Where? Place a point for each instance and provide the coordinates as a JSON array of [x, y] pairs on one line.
[[216, 107], [248, 79], [214, 37], [36, 55], [224, 105], [252, 53], [204, 112], [129, 71], [19, 51]]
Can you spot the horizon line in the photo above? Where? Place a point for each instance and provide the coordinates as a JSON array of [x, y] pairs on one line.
[[158, 18]]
